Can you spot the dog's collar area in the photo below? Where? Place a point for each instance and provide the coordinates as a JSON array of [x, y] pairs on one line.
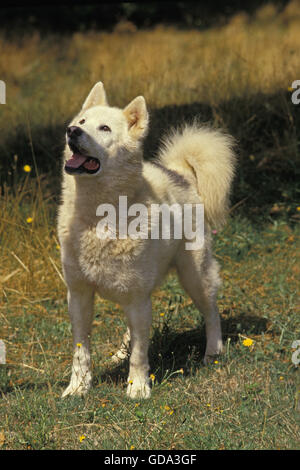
[[79, 164]]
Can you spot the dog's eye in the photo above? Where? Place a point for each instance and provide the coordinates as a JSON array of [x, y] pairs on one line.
[[82, 121], [104, 128]]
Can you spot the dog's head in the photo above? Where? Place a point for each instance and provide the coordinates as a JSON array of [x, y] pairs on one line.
[[100, 135]]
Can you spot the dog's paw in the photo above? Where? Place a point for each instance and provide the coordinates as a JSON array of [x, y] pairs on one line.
[[209, 359], [138, 389], [78, 388], [119, 357], [213, 352]]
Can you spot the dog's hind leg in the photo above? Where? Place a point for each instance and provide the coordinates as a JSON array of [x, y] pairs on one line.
[[124, 350], [80, 303], [198, 273], [139, 315]]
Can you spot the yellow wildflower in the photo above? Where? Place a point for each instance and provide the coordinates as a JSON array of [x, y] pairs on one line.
[[29, 220], [81, 438], [79, 345], [219, 410], [248, 342], [27, 168]]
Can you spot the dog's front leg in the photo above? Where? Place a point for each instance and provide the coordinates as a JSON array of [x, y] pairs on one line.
[[80, 303], [139, 316]]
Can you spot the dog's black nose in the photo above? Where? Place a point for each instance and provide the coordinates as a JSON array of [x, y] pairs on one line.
[[73, 131]]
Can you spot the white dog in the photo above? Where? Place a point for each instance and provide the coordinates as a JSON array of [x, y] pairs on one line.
[[103, 161]]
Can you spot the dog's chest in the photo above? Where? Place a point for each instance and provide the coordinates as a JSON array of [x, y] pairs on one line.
[[110, 264]]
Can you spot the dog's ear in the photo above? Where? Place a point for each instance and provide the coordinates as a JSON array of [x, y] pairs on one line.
[[137, 117], [96, 97]]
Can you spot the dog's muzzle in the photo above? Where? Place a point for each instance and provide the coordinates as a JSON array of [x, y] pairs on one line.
[[79, 162]]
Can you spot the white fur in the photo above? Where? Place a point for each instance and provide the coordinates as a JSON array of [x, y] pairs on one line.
[[126, 271]]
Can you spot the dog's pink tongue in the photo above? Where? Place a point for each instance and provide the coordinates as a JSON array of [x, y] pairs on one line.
[[76, 160]]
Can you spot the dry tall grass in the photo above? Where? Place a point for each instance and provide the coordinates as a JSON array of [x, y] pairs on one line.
[[168, 66]]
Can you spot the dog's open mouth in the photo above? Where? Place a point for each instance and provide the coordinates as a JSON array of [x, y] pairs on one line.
[[80, 163]]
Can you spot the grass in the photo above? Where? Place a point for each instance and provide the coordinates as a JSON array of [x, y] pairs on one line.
[[236, 77]]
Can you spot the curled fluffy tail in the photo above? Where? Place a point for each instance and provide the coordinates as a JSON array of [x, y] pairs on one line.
[[206, 157]]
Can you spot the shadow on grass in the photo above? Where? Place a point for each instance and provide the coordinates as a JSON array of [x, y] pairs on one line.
[[171, 350], [23, 147]]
